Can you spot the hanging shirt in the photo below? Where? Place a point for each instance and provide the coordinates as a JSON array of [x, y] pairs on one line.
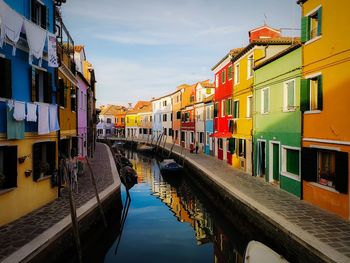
[[11, 25], [54, 126], [31, 112], [36, 37], [43, 123], [19, 113], [15, 129]]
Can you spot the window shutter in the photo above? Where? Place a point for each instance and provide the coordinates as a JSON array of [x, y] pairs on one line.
[[305, 29], [48, 87], [319, 18], [36, 160], [319, 93], [43, 16], [34, 84], [309, 164], [10, 167], [6, 78], [304, 94], [341, 172]]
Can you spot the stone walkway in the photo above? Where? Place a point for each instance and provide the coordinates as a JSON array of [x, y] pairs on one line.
[[326, 232], [18, 233]]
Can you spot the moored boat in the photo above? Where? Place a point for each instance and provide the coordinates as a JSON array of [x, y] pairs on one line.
[[170, 166], [257, 252]]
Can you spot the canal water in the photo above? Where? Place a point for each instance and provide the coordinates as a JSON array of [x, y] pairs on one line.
[[169, 220]]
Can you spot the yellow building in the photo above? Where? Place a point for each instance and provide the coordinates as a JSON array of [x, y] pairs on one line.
[[325, 104], [132, 119], [265, 42]]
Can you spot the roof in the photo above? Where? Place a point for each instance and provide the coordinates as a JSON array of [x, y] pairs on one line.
[[264, 26], [231, 53], [207, 84], [112, 110], [266, 42], [140, 104], [301, 1], [208, 99], [78, 48], [278, 55]]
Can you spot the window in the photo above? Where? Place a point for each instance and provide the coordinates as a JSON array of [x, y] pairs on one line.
[[164, 131], [164, 117], [229, 107], [8, 167], [164, 103], [220, 143], [6, 78], [290, 161], [223, 76], [150, 118], [108, 131], [41, 85], [236, 109], [44, 159], [241, 148], [250, 66], [171, 117], [192, 98], [326, 167], [223, 108], [231, 145], [40, 14], [216, 107], [249, 106], [176, 134], [265, 100], [109, 120], [311, 26], [192, 137], [201, 135], [311, 94], [236, 80], [289, 96], [123, 120], [178, 115], [217, 80], [170, 132], [229, 72], [73, 99]]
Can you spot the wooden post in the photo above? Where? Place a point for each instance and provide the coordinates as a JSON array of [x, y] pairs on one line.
[[96, 192], [73, 212], [171, 149]]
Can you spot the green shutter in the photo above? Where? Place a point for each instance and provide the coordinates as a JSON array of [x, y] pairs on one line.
[[319, 18], [290, 91], [319, 93], [293, 161], [305, 29], [223, 76], [304, 95]]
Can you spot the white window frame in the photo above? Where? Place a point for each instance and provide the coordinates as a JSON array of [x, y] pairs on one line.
[[284, 162], [285, 96], [262, 100], [249, 112], [236, 73], [217, 80], [250, 63]]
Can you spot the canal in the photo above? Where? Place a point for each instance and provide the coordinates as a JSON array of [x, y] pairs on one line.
[[165, 220]]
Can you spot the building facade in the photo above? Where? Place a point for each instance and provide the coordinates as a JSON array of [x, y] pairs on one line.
[[325, 105], [209, 125], [176, 98], [277, 120]]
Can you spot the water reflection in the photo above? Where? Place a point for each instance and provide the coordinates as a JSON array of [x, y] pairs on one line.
[[210, 240]]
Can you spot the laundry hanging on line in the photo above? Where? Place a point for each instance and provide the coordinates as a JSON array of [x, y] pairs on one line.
[[19, 113], [31, 112]]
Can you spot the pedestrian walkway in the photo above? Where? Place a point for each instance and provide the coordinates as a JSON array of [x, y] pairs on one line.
[[18, 238], [325, 232]]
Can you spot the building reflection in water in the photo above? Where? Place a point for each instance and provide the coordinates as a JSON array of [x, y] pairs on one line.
[[186, 207]]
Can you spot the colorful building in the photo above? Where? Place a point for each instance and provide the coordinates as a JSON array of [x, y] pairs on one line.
[[187, 116], [209, 124], [176, 98], [28, 143], [163, 117], [108, 120], [145, 121], [222, 136], [132, 122], [119, 125], [325, 105], [263, 45], [277, 119]]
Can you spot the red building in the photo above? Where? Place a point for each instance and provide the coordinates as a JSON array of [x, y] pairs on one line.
[[223, 108]]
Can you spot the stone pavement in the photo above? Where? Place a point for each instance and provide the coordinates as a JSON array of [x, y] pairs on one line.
[[320, 229], [15, 235]]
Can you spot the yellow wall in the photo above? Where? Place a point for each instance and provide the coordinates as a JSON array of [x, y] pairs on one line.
[[141, 122], [28, 195], [131, 120]]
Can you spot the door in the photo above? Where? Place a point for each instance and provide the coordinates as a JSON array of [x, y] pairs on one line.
[[261, 164], [275, 162]]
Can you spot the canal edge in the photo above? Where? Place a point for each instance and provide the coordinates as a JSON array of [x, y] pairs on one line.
[[38, 245]]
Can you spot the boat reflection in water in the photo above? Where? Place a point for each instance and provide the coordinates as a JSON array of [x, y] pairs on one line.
[[168, 222]]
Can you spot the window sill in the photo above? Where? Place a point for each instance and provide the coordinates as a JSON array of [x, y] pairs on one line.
[[291, 176], [5, 191], [264, 113], [312, 40], [312, 112], [328, 188], [43, 178], [286, 111]]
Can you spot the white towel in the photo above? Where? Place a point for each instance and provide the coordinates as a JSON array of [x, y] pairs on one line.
[[36, 37], [31, 112], [54, 126], [10, 104], [43, 123], [19, 113], [11, 25]]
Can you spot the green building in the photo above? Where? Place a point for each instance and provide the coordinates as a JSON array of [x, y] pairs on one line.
[[277, 119]]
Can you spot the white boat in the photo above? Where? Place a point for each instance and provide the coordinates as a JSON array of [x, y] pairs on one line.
[[257, 252]]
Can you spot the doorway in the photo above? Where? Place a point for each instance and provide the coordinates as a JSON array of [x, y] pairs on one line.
[[274, 162], [261, 158]]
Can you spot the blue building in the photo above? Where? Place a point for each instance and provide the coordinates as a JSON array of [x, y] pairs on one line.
[[209, 125], [28, 110]]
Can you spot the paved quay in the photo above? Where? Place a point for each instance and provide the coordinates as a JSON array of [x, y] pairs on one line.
[[25, 235], [324, 233]]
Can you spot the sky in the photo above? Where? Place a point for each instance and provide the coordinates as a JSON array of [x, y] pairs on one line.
[[145, 49]]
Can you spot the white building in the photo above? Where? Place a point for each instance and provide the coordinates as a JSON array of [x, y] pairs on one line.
[[163, 117]]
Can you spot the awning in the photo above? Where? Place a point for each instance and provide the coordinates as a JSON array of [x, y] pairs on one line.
[[221, 135]]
